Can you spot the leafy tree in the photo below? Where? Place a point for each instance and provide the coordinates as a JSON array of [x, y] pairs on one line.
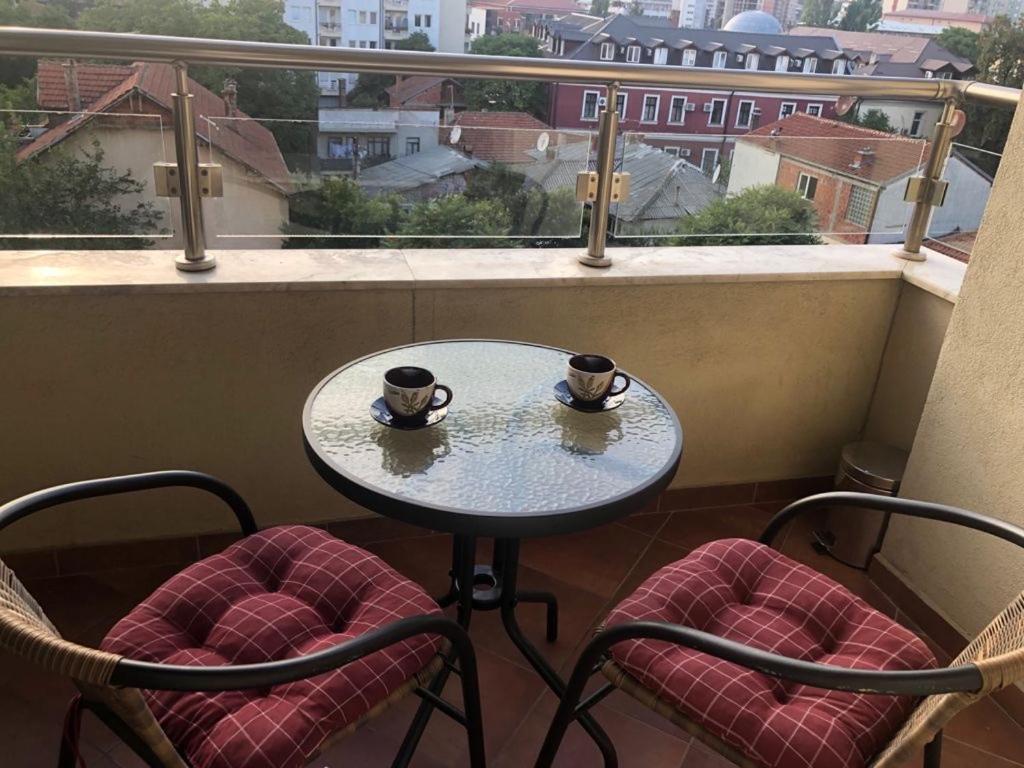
[[78, 195], [340, 207], [861, 15], [507, 95], [286, 95], [962, 42], [765, 215], [599, 8], [818, 13], [370, 88], [875, 119], [21, 13], [635, 9], [533, 212], [21, 96], [452, 216]]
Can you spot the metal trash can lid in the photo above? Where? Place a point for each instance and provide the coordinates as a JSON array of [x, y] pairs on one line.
[[874, 464]]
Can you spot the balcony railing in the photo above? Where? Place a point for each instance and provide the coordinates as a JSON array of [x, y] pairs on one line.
[[925, 190]]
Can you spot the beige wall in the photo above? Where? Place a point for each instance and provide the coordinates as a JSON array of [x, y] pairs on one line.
[[915, 339], [770, 379], [969, 449]]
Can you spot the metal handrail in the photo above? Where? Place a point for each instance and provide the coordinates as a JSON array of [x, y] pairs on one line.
[[22, 41], [182, 51]]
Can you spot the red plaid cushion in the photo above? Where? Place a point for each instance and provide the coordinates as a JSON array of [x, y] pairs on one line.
[[747, 592], [277, 594]]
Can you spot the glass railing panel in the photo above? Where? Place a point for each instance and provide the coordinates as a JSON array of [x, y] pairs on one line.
[[954, 225], [84, 179], [803, 187], [391, 178]]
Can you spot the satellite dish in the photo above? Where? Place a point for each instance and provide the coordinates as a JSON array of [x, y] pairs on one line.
[[542, 141], [455, 135], [844, 104], [959, 121], [716, 174]]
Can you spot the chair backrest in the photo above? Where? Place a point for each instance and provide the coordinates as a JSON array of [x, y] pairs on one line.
[[997, 651], [25, 631]]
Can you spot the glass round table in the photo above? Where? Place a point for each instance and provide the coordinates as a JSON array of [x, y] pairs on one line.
[[508, 461]]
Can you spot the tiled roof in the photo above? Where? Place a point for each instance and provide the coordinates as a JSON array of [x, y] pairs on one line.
[[959, 245], [889, 48], [94, 82], [415, 170], [503, 137], [240, 137], [408, 90], [838, 146], [977, 18]]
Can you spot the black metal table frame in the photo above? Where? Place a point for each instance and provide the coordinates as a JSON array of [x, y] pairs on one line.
[[498, 581]]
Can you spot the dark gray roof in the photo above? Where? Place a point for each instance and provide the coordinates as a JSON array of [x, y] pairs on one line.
[[415, 170]]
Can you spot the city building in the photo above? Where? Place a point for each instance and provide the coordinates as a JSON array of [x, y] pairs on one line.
[[445, 94], [127, 111], [855, 177], [699, 126], [927, 22], [955, 8], [494, 17], [350, 140]]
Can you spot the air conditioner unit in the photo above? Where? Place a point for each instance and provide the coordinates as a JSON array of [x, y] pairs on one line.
[[756, 111], [691, 107], [708, 107], [684, 153]]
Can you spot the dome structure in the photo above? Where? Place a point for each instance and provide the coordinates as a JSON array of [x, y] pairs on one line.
[[754, 21]]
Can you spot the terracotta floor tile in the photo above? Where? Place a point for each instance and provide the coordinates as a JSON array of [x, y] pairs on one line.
[[368, 530], [646, 522], [700, 756], [692, 527]]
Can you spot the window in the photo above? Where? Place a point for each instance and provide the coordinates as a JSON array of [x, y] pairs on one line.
[[373, 43], [915, 124], [858, 208], [814, 109], [708, 161], [716, 115], [339, 148], [620, 106], [632, 54], [416, 20], [661, 55], [589, 105], [839, 67], [427, 20], [689, 57], [351, 43], [332, 42], [362, 43], [378, 146], [719, 61], [362, 17], [782, 63], [753, 59], [412, 145], [607, 51], [945, 75], [787, 109], [650, 113], [674, 151], [373, 17], [806, 186], [810, 65], [745, 114], [677, 110]]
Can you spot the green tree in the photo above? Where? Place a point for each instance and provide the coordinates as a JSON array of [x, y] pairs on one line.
[[507, 95], [635, 9], [599, 8], [450, 217], [962, 42], [861, 15], [765, 215], [340, 207], [818, 13], [288, 96], [533, 212], [370, 89], [875, 119], [60, 192], [27, 13]]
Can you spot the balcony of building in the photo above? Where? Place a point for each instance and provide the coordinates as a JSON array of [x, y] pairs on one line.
[[774, 357]]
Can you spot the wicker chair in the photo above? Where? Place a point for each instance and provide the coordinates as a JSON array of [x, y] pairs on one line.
[[122, 691], [993, 660]]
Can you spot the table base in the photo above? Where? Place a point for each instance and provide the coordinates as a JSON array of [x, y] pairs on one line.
[[494, 587]]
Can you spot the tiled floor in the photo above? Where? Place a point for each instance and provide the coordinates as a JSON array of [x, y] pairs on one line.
[[588, 571]]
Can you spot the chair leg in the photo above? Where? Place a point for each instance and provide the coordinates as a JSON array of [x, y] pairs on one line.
[[566, 713], [471, 705], [933, 752], [69, 756], [551, 602]]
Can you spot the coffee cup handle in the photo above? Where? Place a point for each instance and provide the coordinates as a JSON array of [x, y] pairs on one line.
[[448, 397], [615, 392]]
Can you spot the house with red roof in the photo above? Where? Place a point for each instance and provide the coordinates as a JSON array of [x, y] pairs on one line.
[[855, 177], [127, 110], [498, 137], [444, 94]]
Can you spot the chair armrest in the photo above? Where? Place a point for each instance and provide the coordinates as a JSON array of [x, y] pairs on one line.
[[168, 677], [924, 682], [910, 507], [13, 511]]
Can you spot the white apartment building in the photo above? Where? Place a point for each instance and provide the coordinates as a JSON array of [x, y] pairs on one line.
[[372, 24]]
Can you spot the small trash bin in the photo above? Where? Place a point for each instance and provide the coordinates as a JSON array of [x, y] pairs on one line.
[[853, 536]]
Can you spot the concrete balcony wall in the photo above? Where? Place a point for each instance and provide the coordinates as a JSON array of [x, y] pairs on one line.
[[116, 363]]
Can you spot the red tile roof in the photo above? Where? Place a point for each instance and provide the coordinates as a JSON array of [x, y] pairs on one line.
[[410, 91], [959, 245], [502, 137], [904, 49], [94, 82], [838, 146], [240, 137]]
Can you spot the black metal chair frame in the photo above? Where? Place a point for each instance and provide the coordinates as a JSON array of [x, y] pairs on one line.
[[147, 675], [908, 683]]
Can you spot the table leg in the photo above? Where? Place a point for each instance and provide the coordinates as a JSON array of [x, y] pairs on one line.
[[463, 562], [508, 576]]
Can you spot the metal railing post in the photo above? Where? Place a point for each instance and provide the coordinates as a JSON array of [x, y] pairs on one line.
[[607, 130], [195, 258], [929, 188]]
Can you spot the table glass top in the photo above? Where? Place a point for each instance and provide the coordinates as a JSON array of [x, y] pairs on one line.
[[506, 447]]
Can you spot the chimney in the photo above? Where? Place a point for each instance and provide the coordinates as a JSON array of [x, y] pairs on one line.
[[230, 95], [71, 86], [865, 156]]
